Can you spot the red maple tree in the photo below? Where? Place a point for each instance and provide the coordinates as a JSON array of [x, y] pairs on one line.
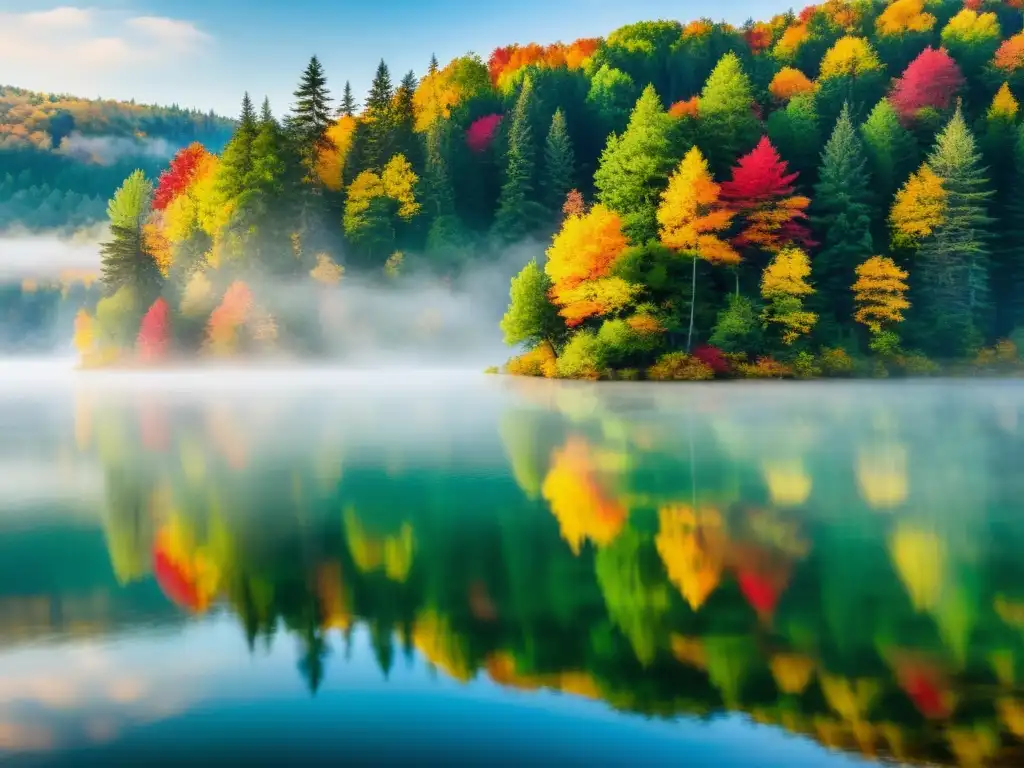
[[930, 80], [481, 132], [761, 192], [155, 332], [178, 175]]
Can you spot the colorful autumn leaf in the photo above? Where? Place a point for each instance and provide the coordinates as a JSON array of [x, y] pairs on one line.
[[789, 82], [1004, 105], [919, 208], [331, 156], [178, 175], [931, 80], [688, 108], [1009, 57], [481, 132], [850, 57], [399, 181], [969, 28], [691, 544], [902, 16], [880, 293], [691, 216], [224, 323], [783, 286], [791, 41]]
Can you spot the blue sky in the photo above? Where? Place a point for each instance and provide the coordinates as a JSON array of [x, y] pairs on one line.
[[205, 53]]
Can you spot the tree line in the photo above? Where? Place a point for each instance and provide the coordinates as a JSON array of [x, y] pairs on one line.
[[829, 192]]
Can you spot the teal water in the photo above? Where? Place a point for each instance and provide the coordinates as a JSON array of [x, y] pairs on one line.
[[447, 568]]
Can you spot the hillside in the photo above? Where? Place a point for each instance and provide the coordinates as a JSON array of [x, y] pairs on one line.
[[61, 157]]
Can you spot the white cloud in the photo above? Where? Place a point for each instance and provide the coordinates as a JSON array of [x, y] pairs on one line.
[[85, 41]]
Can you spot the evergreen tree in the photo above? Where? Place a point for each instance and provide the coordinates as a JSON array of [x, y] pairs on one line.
[[445, 235], [635, 167], [953, 261], [126, 263], [348, 106], [373, 135], [531, 318], [728, 124], [891, 153], [404, 139], [841, 214], [433, 67], [1008, 257], [559, 164], [236, 161], [519, 214], [795, 131], [311, 116]]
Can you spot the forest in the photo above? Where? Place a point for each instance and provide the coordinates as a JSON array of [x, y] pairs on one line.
[[833, 192], [62, 157]]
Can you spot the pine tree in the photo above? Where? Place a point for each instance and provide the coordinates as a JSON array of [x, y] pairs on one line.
[[635, 167], [559, 163], [236, 161], [841, 214], [372, 140], [311, 116], [953, 262], [348, 105], [728, 124], [433, 67], [892, 154], [125, 263], [404, 139], [445, 235], [1008, 255], [519, 214]]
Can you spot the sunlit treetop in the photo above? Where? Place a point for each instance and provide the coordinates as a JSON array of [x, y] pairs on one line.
[[331, 157], [849, 57], [506, 61], [438, 93], [1010, 55], [688, 108], [791, 40], [789, 82], [759, 37], [1004, 105], [904, 16], [178, 175], [698, 28], [970, 28], [919, 208]]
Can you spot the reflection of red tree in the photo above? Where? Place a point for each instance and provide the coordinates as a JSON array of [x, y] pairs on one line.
[[174, 580], [155, 332], [763, 576], [925, 684], [153, 427]]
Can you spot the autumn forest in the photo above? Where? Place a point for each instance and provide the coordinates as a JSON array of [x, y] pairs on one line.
[[834, 192]]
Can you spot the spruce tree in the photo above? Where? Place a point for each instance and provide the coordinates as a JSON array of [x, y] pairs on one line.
[[952, 264], [841, 215], [635, 167], [348, 106], [559, 164], [1008, 255], [519, 214], [433, 67], [311, 116], [728, 125], [236, 160], [445, 235], [125, 262], [373, 135], [404, 139], [891, 153]]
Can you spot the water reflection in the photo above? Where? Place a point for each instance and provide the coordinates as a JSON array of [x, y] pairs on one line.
[[841, 562]]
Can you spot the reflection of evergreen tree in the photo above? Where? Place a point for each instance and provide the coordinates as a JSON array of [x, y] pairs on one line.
[[127, 524], [314, 656]]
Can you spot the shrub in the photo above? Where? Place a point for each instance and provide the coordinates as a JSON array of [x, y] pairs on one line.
[[678, 366], [835, 361], [885, 343], [805, 366], [713, 358], [738, 327], [916, 364], [620, 342], [628, 374], [581, 358], [1002, 356], [491, 370], [765, 368], [539, 361]]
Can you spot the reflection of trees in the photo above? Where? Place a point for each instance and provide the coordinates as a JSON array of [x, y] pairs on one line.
[[728, 557]]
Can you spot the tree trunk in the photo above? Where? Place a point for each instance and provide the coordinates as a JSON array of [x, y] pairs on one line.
[[693, 302]]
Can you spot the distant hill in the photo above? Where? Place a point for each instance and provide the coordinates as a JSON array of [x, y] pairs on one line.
[[61, 157]]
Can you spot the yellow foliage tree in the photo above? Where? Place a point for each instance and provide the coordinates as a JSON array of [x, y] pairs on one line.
[[157, 244], [326, 272], [880, 293], [882, 476], [1004, 106], [197, 299], [919, 207], [789, 82], [580, 262], [330, 162], [85, 336], [399, 182], [904, 16], [849, 57], [919, 555], [783, 286], [790, 41], [969, 27]]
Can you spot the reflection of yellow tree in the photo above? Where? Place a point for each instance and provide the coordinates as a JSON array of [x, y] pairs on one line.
[[392, 553], [442, 647], [502, 669], [792, 672], [919, 556], [973, 745], [333, 601], [519, 434], [691, 544], [585, 509], [882, 475], [190, 573], [789, 485]]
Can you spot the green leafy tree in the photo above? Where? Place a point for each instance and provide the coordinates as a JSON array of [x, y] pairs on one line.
[[612, 95], [531, 318], [519, 214], [840, 212], [559, 163], [728, 125], [796, 133], [891, 154], [953, 261], [635, 167]]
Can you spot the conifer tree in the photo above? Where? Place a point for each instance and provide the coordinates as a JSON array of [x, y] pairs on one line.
[[519, 213], [559, 163], [236, 160], [635, 167], [728, 124], [841, 215], [1008, 252], [953, 261], [891, 154], [347, 107], [126, 263], [311, 116], [446, 232], [403, 139], [373, 136], [795, 131]]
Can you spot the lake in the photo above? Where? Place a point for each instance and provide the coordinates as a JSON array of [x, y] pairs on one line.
[[433, 567]]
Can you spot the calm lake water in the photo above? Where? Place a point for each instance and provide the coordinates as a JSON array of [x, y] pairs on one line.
[[421, 567]]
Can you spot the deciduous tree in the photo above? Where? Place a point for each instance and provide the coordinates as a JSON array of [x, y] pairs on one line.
[[784, 286]]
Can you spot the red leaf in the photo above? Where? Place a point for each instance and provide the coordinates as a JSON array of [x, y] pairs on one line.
[[930, 80]]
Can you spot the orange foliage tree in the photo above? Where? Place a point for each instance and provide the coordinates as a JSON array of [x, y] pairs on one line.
[[580, 262], [232, 313], [178, 175], [154, 337], [789, 82]]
